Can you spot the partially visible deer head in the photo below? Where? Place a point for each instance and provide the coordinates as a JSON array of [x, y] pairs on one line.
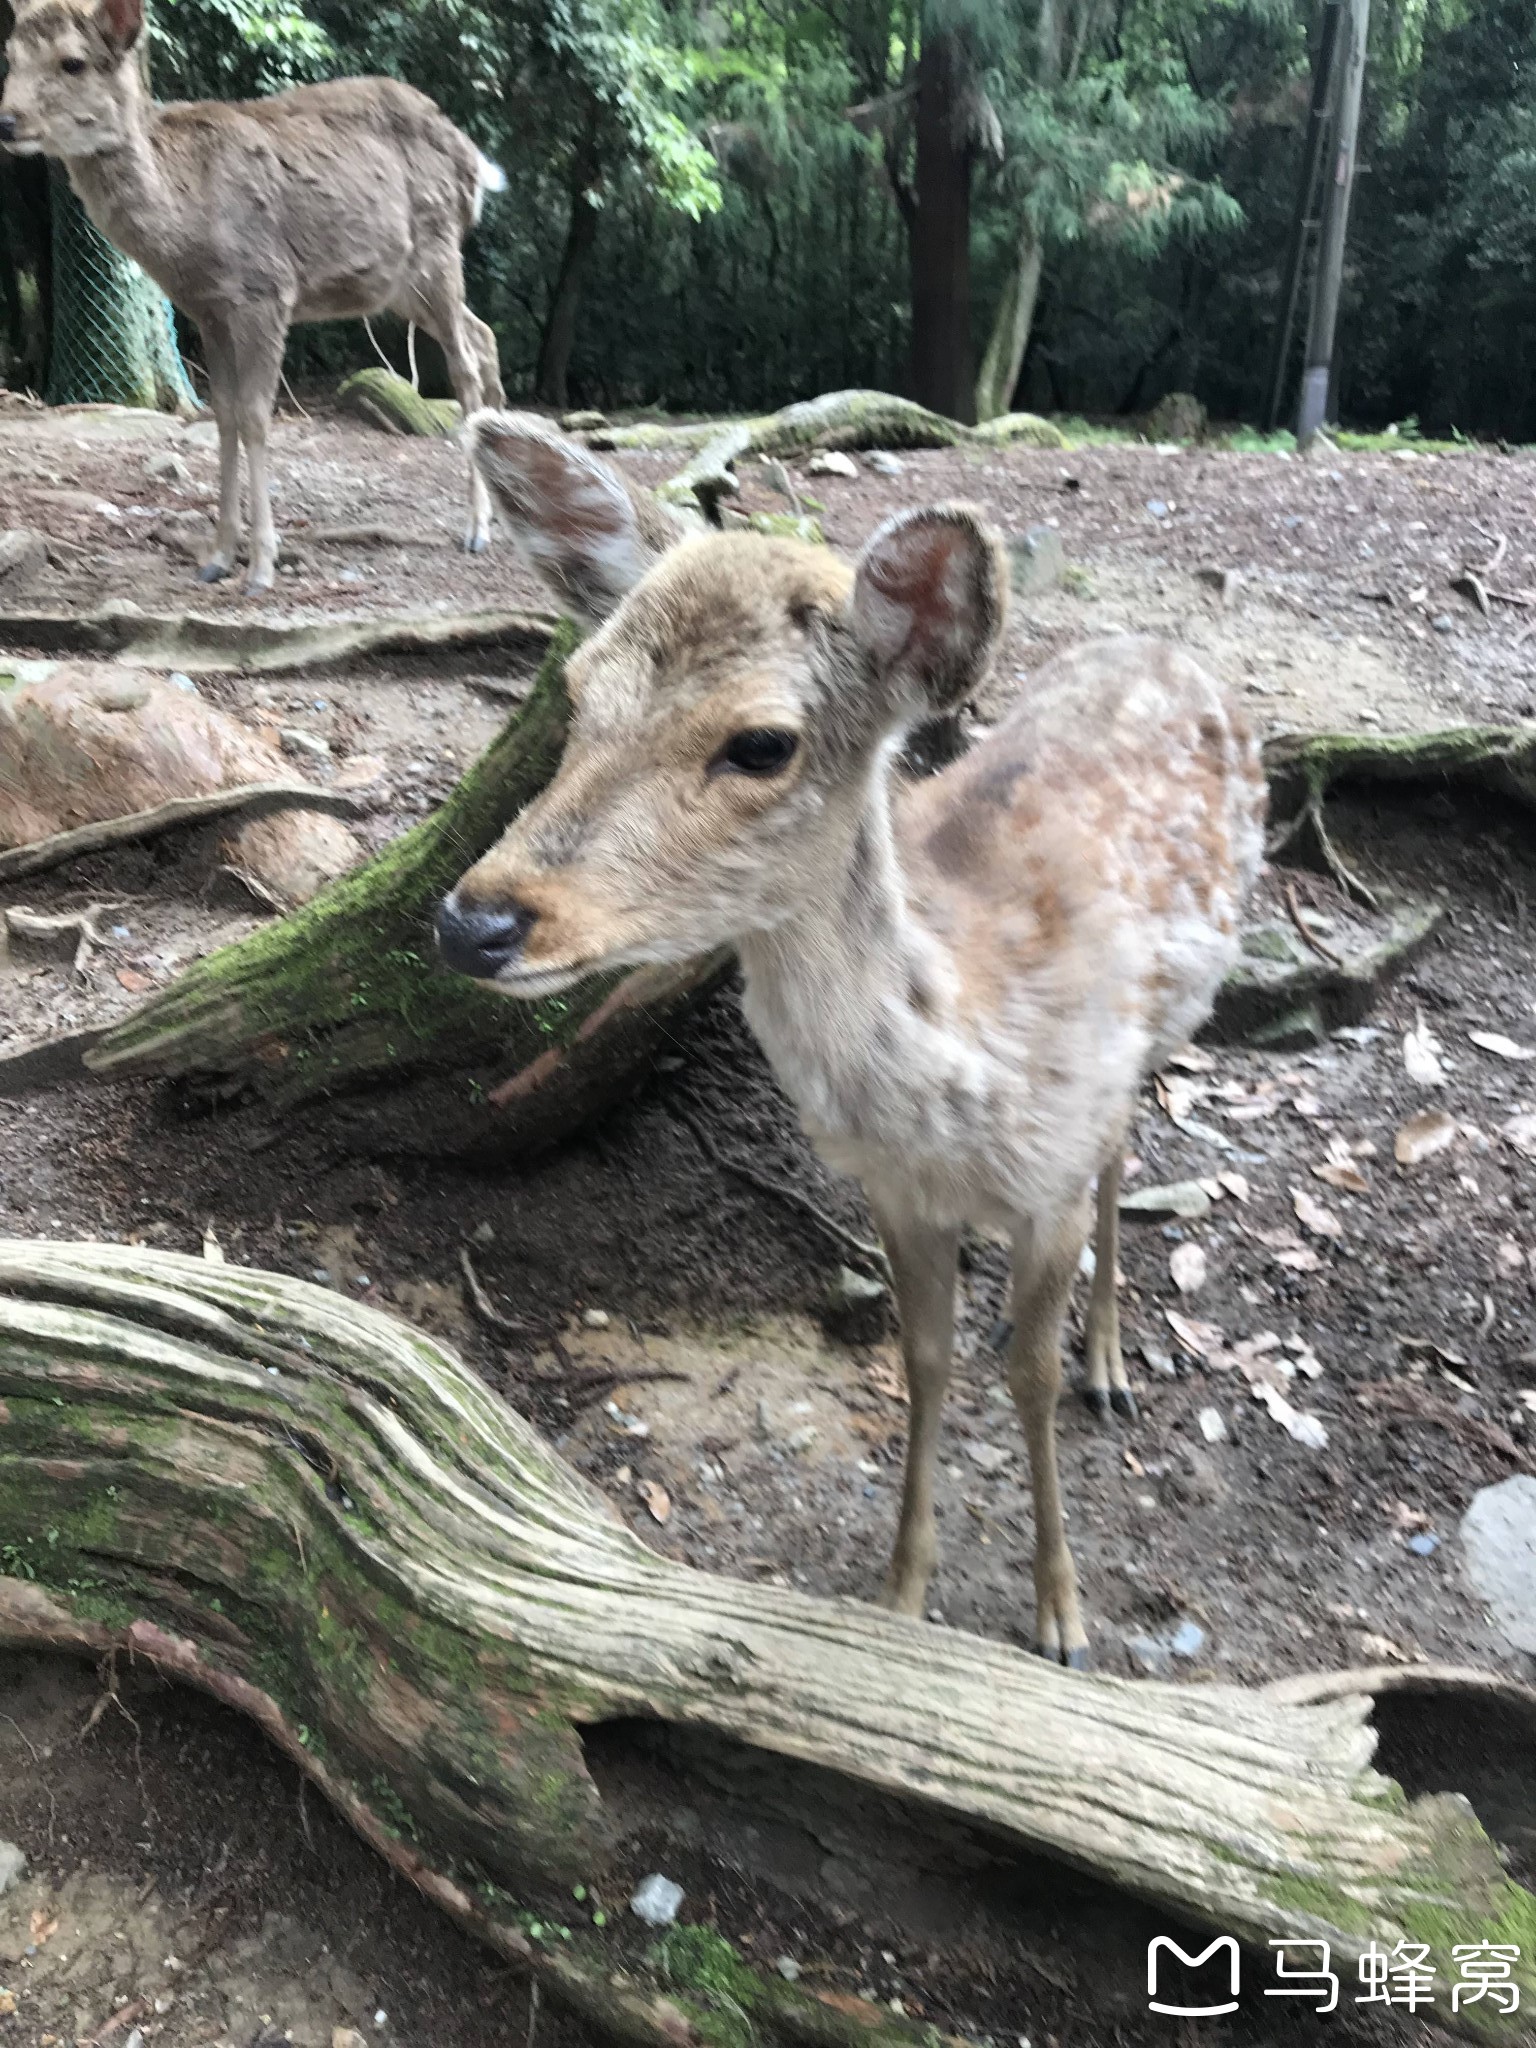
[[729, 715], [72, 77]]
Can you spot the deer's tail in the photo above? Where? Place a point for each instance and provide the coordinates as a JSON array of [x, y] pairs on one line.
[[489, 177]]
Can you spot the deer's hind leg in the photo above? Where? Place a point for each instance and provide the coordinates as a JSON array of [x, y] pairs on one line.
[[1108, 1386], [257, 352], [1045, 1261], [436, 303]]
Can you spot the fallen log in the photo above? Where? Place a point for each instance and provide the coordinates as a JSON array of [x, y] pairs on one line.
[[348, 990], [319, 1516]]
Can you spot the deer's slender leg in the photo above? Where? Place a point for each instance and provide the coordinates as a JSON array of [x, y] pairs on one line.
[[483, 340], [437, 304], [923, 1260], [258, 350], [1044, 1264], [222, 396], [1108, 1386]]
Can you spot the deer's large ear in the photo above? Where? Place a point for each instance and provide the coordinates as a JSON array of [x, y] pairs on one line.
[[121, 22], [569, 512], [929, 602]]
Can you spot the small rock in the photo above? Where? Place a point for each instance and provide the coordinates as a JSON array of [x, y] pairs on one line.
[[988, 1458], [857, 1308], [189, 534], [1184, 1198], [788, 1969], [1425, 1544], [831, 462], [1036, 561], [1443, 623], [1177, 416], [1157, 508], [168, 468], [23, 554], [883, 463], [296, 741], [347, 2037], [482, 1234], [12, 1867], [1498, 1534], [1212, 1428], [596, 1319], [1270, 942], [135, 2039], [656, 1900], [801, 1439], [1159, 1361]]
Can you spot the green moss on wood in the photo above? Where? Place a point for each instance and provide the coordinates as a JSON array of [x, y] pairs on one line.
[[385, 400]]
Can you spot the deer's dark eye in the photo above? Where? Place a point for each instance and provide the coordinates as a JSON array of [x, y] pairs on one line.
[[73, 65], [759, 751]]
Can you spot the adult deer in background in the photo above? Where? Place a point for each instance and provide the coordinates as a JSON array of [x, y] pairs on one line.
[[961, 982], [324, 203]]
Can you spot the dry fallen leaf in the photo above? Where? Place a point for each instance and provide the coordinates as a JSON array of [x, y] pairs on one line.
[[1424, 1135], [1204, 1340], [1313, 1216], [885, 1379], [1421, 1054], [1383, 1649], [1299, 1258], [1236, 1184], [1193, 1060], [1343, 1173], [41, 1927], [1133, 1463], [1521, 1132], [657, 1500], [1509, 1256], [213, 1251], [1306, 1429], [132, 980], [1187, 1267], [1506, 1048]]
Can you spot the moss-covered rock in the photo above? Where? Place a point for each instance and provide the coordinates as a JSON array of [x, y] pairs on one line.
[[389, 403]]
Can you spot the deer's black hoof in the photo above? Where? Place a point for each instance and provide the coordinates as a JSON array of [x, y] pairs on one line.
[[1076, 1660], [1123, 1401], [1096, 1400], [1070, 1660], [476, 543]]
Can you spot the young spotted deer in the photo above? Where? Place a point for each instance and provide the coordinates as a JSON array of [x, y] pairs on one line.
[[324, 203], [961, 982]]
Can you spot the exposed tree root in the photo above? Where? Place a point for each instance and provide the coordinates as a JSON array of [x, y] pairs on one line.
[[319, 1516]]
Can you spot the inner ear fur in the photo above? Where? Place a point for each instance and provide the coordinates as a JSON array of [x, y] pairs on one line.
[[585, 530], [929, 603]]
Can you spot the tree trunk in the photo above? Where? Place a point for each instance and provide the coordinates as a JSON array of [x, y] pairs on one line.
[[321, 1517], [941, 233], [559, 336], [347, 991], [1004, 358]]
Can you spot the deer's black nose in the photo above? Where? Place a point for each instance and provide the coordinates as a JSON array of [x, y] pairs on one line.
[[481, 942], [7, 127]]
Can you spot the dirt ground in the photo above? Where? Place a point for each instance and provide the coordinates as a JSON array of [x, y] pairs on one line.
[[775, 1444]]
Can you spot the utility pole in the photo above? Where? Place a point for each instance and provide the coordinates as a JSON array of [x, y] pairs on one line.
[[1318, 372], [1306, 194]]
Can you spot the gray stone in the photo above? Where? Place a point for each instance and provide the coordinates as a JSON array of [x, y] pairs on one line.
[[1036, 561], [831, 462], [656, 1900], [1197, 1482], [12, 1867], [296, 741], [1179, 416], [168, 468], [883, 463], [1270, 942], [1498, 1535], [23, 554], [1184, 1198], [988, 1458]]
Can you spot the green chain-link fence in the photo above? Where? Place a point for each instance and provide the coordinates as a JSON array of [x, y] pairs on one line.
[[114, 335]]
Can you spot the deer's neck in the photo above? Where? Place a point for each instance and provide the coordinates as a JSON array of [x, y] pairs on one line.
[[852, 998], [126, 192]]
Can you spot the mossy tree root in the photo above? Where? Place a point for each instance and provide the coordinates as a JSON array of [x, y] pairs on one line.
[[321, 1516], [347, 990]]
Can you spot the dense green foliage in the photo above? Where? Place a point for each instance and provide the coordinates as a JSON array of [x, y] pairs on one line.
[[713, 205]]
